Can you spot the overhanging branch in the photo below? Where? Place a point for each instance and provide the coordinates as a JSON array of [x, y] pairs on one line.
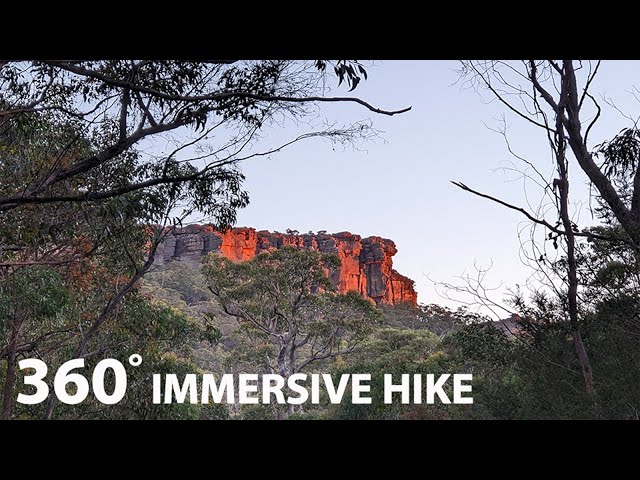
[[79, 70], [539, 221]]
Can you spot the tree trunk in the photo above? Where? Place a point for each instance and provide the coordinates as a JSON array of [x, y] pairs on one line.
[[568, 104], [572, 267], [572, 294], [10, 379], [629, 218], [282, 361], [584, 361], [291, 409], [281, 411]]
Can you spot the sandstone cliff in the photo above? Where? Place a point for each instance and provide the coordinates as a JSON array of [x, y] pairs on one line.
[[367, 265]]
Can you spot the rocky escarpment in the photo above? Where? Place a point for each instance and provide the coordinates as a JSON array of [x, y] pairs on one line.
[[366, 263]]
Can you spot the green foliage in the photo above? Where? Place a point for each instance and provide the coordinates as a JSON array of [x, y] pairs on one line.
[[162, 335], [183, 287], [621, 153], [257, 412], [177, 283], [532, 376], [536, 375], [285, 299], [310, 415], [214, 411], [437, 319], [392, 351], [37, 292], [83, 186], [281, 275]]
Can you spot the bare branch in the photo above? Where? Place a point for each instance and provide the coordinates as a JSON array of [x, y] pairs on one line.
[[539, 221], [501, 99], [585, 90]]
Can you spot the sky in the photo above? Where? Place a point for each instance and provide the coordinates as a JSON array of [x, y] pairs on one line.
[[398, 186]]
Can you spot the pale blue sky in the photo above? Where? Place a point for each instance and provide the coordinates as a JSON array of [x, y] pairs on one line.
[[400, 188]]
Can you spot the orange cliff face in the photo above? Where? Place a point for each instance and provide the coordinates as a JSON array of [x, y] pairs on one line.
[[366, 263]]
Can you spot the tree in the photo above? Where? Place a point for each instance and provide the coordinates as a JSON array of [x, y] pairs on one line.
[[31, 305], [534, 374], [393, 351], [117, 106], [98, 157], [554, 96], [286, 298]]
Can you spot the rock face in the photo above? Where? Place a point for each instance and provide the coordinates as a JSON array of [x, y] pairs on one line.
[[366, 263]]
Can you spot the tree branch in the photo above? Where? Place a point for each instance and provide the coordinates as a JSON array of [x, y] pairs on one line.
[[505, 103], [82, 166], [79, 70], [528, 215]]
